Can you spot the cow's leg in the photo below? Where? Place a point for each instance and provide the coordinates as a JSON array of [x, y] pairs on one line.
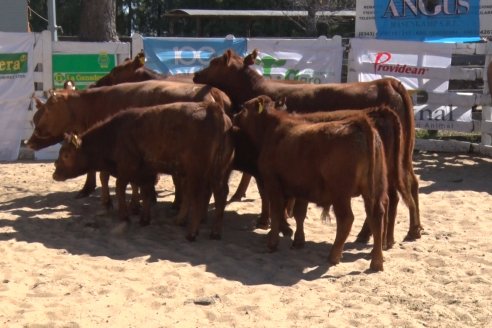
[[299, 210], [364, 234], [241, 188], [199, 197], [220, 191], [289, 207], [105, 197], [376, 212], [389, 228], [277, 208], [415, 229], [135, 199], [121, 196], [345, 218], [263, 222], [184, 207], [178, 191], [147, 194], [89, 185]]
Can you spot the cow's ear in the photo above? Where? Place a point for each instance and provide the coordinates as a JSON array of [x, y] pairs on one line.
[[227, 56], [73, 139], [261, 105], [52, 92], [281, 103], [140, 59], [39, 103], [251, 58]]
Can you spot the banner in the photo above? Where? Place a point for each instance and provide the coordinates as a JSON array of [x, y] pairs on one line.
[[424, 20], [16, 89], [308, 60], [82, 69], [187, 55], [419, 66]]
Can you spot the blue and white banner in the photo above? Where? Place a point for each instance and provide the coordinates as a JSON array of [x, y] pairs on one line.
[[424, 20], [308, 60], [187, 55]]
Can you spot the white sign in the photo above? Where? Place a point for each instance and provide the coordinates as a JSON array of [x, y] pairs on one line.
[[308, 60], [16, 89], [418, 65]]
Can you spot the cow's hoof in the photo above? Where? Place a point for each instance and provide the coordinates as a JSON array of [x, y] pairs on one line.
[[376, 265], [84, 193], [363, 239], [144, 223], [334, 259], [414, 234], [296, 244], [191, 237], [286, 231], [262, 224], [388, 245], [215, 236]]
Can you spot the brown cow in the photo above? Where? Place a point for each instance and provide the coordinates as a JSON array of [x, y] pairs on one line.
[[76, 111], [185, 138], [327, 163], [388, 127], [233, 74], [135, 71]]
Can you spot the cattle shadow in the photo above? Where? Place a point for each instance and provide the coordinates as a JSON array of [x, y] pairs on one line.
[[241, 255], [453, 172]]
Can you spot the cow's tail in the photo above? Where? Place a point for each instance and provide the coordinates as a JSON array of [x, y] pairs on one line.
[[376, 192], [407, 120]]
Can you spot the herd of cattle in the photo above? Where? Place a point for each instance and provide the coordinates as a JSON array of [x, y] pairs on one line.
[[302, 143]]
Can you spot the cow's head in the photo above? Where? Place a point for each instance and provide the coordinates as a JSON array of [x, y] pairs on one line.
[[251, 111], [71, 161], [221, 71], [51, 120], [125, 72]]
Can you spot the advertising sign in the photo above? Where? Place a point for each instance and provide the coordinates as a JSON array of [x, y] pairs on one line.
[[419, 66], [16, 89], [307, 60], [424, 20], [83, 69], [187, 55]]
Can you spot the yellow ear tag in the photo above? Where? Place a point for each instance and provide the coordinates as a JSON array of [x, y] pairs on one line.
[[75, 141], [142, 60], [260, 108]]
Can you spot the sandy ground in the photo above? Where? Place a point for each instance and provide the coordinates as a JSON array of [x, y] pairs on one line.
[[61, 266]]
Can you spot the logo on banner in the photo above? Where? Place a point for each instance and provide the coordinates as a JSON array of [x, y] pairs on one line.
[[426, 8], [381, 66], [13, 64], [268, 63]]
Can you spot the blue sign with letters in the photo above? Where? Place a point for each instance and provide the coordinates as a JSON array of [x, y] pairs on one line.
[[428, 20], [187, 55]]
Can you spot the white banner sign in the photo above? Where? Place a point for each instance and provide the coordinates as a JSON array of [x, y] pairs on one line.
[[16, 89], [418, 65], [308, 60]]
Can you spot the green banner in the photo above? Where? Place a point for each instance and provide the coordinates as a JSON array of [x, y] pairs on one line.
[[13, 63], [82, 69]]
